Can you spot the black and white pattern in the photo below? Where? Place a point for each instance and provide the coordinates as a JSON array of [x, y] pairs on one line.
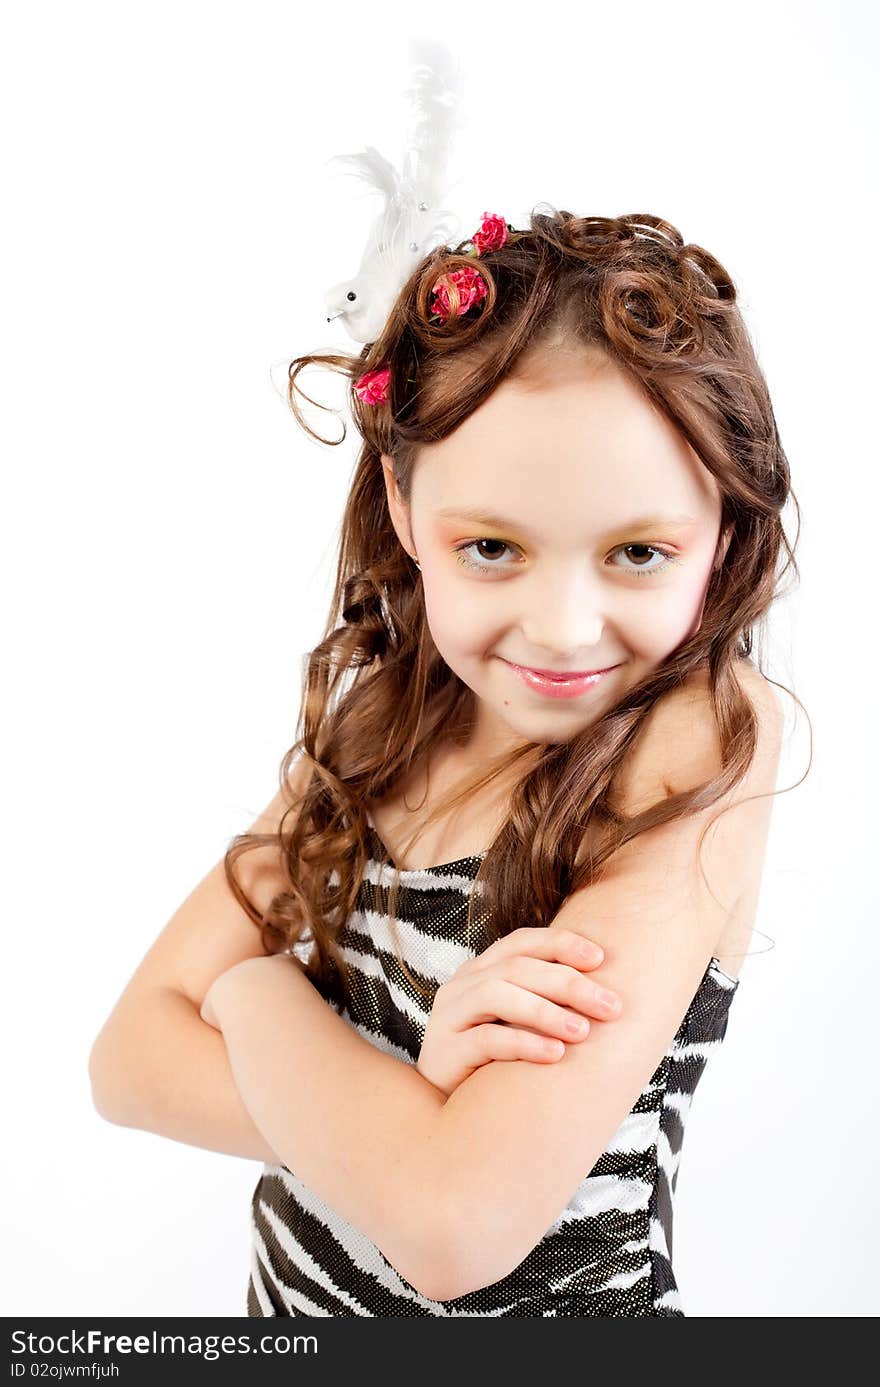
[[608, 1253]]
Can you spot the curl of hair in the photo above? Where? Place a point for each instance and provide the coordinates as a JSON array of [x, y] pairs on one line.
[[379, 700]]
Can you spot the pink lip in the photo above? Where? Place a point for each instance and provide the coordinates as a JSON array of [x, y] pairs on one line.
[[560, 683]]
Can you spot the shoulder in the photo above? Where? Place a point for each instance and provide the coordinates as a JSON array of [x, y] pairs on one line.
[[679, 747], [680, 751]]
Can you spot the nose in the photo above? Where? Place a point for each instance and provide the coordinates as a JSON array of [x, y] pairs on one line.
[[565, 618]]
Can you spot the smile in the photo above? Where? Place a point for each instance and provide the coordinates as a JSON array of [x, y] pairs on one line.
[[559, 683]]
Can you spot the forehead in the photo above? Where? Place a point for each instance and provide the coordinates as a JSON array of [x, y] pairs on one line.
[[574, 442]]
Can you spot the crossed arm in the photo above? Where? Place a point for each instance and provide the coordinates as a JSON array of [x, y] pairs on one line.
[[456, 1192], [352, 1122]]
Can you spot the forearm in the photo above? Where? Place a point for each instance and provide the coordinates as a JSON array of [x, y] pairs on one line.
[[354, 1124], [174, 1078]]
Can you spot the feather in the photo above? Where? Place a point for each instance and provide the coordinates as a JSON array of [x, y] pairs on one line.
[[411, 221]]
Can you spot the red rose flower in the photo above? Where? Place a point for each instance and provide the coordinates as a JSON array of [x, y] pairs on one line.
[[471, 288], [372, 388], [492, 233]]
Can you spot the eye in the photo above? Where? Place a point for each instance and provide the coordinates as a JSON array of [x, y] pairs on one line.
[[462, 552], [640, 567]]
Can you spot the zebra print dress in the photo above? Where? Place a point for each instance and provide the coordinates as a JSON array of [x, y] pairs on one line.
[[608, 1253]]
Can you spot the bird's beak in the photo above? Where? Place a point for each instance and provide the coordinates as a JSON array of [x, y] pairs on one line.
[[337, 314]]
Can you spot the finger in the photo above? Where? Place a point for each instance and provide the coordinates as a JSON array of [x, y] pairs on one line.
[[561, 945], [566, 945], [495, 998], [493, 1042], [561, 983], [550, 993]]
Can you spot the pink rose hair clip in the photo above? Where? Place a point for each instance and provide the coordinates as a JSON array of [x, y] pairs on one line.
[[412, 219], [373, 387]]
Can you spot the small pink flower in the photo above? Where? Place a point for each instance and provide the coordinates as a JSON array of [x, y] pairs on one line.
[[372, 388], [492, 233], [471, 287]]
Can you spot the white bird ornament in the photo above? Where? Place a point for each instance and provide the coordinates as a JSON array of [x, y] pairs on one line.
[[412, 221]]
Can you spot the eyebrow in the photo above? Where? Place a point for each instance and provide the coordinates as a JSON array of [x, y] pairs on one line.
[[500, 522]]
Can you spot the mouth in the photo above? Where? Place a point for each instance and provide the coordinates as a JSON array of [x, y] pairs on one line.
[[557, 683]]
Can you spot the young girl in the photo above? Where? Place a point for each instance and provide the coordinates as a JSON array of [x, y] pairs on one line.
[[457, 985]]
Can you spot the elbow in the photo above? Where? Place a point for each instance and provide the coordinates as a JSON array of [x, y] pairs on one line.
[[455, 1261], [101, 1087], [465, 1274], [96, 1083], [481, 1248], [421, 1249], [434, 1278], [435, 1275], [448, 1277]]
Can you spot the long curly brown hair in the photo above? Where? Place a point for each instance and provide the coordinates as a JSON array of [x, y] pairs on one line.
[[378, 698]]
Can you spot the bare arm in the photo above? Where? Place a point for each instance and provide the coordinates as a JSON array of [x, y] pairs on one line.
[[355, 1124], [155, 1064], [173, 1077]]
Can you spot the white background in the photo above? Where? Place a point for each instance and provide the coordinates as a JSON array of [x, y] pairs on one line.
[[169, 538]]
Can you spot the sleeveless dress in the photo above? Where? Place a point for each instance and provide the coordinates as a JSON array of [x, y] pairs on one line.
[[608, 1253]]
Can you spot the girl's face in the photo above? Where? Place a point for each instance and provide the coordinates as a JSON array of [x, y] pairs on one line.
[[566, 525]]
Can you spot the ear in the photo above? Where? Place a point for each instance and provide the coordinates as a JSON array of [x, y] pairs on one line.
[[397, 507]]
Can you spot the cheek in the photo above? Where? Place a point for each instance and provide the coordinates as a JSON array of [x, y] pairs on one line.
[[457, 619], [656, 627], [446, 625], [681, 614]]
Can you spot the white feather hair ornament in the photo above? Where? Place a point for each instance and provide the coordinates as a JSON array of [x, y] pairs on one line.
[[412, 221]]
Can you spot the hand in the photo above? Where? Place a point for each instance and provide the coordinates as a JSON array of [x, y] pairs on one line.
[[511, 982]]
